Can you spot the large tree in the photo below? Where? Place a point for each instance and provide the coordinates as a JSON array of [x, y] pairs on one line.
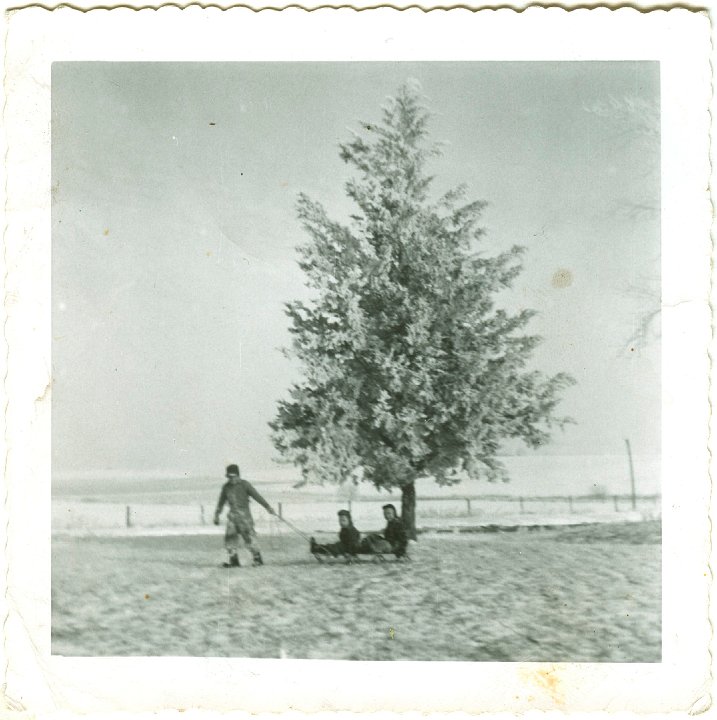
[[409, 369]]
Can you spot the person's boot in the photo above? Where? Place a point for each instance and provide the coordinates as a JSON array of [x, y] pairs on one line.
[[233, 561]]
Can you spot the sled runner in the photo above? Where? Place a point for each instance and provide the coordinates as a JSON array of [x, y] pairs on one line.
[[379, 557]]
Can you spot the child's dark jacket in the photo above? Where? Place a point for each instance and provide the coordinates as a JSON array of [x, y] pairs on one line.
[[350, 540], [395, 533]]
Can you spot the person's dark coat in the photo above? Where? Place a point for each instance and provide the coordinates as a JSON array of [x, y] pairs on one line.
[[393, 539], [349, 542], [395, 533]]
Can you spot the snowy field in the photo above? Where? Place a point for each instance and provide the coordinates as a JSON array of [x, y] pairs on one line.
[[582, 594], [88, 518], [555, 489]]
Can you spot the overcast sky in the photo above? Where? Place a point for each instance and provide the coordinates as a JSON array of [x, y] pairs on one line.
[[174, 230]]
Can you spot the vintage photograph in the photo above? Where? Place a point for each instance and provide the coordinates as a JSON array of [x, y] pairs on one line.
[[357, 360]]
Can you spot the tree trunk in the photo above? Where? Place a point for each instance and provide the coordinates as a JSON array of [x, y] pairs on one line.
[[408, 509]]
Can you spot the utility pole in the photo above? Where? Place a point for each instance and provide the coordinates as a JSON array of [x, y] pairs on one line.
[[632, 474]]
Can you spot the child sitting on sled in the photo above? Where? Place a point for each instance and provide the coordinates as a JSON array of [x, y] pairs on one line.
[[349, 539], [393, 539]]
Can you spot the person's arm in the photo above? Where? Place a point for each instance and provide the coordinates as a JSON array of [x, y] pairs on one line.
[[355, 541], [401, 537], [401, 532], [220, 504], [252, 492]]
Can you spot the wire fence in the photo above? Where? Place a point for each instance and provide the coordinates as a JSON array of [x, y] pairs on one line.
[[320, 515]]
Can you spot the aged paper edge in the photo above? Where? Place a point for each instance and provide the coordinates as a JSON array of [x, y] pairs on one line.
[[45, 684]]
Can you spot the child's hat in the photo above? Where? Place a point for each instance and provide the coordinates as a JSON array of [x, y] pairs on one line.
[[232, 470]]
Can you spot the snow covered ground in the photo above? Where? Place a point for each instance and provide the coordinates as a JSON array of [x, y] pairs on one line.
[[587, 594]]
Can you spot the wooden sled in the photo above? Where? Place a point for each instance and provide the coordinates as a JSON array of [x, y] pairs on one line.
[[378, 558]]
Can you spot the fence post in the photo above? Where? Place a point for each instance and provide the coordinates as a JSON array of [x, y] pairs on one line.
[[127, 517], [615, 501], [570, 502], [201, 514], [468, 503], [522, 509], [632, 475], [280, 510]]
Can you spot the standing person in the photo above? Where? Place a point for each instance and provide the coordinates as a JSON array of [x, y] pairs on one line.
[[349, 539], [240, 524]]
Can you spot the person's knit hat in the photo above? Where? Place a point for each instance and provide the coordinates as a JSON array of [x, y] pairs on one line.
[[233, 470], [344, 513]]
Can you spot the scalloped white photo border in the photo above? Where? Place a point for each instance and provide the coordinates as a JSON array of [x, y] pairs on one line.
[[44, 684]]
